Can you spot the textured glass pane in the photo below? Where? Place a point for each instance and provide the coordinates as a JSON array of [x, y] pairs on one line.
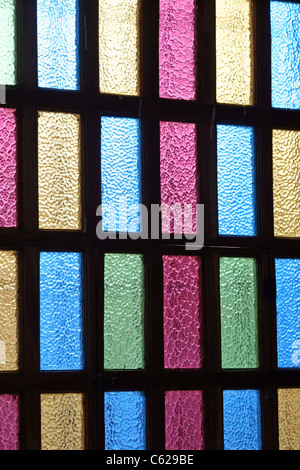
[[236, 180], [179, 177], [121, 174], [182, 312], [123, 311], [125, 421], [59, 164], [61, 311], [8, 168], [184, 420], [62, 421], [285, 50], [119, 46], [58, 44], [9, 422], [8, 42], [9, 314], [238, 305], [242, 420], [177, 67], [289, 418], [288, 312], [286, 189], [234, 49]]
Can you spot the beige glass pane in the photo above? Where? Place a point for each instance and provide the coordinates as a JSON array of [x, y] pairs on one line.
[[289, 418], [59, 166], [9, 325], [286, 189], [234, 52], [62, 421], [119, 46]]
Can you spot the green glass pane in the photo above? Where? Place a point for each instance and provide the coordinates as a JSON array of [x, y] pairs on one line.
[[123, 311], [8, 42], [238, 305]]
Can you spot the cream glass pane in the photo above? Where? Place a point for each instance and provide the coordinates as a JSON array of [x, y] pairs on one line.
[[289, 418]]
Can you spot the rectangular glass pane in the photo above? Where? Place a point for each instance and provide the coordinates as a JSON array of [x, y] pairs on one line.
[[123, 311], [177, 48], [119, 46], [61, 311], [8, 168], [184, 420], [289, 418], [285, 54], [125, 420], [58, 44], [178, 177], [288, 308], [59, 166], [9, 311], [121, 174], [242, 420], [62, 421], [9, 422], [8, 36], [238, 305], [286, 189], [236, 180], [235, 51], [183, 339]]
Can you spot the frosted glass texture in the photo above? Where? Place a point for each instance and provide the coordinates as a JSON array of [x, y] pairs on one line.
[[61, 311], [119, 46], [285, 54], [242, 420], [8, 168], [8, 33], [58, 44], [287, 273], [184, 420], [236, 180], [121, 174], [177, 46], [9, 422], [123, 311], [234, 52], [289, 418], [125, 420]]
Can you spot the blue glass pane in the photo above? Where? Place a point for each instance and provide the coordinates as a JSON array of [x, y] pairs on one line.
[[61, 311], [285, 33], [236, 180], [58, 39], [242, 420], [288, 312], [121, 174], [125, 421]]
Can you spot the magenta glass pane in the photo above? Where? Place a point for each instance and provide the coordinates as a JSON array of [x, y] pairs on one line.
[[8, 168], [9, 422], [177, 49], [184, 420], [178, 177], [182, 312]]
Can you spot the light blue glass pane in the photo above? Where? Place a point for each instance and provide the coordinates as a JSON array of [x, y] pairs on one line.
[[58, 40], [288, 312], [236, 180], [61, 311], [121, 174], [285, 34], [242, 420], [125, 421]]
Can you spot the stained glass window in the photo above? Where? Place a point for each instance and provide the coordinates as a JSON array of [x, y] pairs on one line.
[[8, 35], [8, 168], [289, 418], [9, 422]]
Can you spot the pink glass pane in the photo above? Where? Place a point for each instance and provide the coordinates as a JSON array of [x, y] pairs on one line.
[[184, 420], [177, 49], [8, 168], [178, 176], [182, 312], [9, 422]]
